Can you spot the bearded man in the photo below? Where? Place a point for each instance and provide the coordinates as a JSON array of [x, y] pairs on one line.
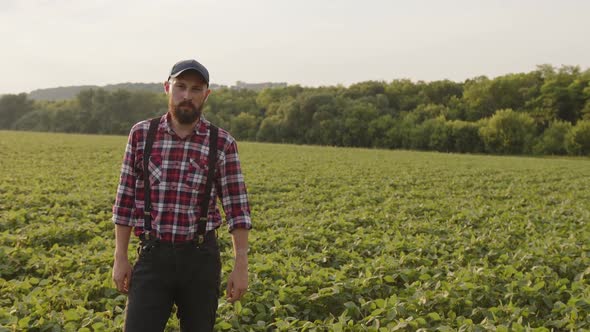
[[174, 168]]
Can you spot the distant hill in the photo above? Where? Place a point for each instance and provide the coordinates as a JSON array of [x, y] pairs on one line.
[[70, 92], [257, 86]]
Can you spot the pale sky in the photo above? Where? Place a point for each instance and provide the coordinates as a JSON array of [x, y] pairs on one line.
[[50, 43]]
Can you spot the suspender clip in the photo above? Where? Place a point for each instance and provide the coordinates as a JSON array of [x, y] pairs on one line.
[[146, 235]]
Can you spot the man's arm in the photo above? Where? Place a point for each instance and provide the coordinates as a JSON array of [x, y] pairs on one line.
[[237, 283], [123, 210], [122, 267], [232, 191]]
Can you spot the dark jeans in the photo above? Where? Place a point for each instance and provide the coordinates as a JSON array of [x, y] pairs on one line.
[[185, 275]]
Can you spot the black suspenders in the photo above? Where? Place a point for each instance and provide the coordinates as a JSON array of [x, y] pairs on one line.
[[147, 197], [147, 214], [202, 223]]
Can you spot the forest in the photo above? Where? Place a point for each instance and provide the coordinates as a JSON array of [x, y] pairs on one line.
[[545, 112]]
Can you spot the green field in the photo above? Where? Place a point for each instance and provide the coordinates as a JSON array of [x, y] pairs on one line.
[[343, 239]]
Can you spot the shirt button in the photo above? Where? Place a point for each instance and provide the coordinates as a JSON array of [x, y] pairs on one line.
[[173, 187]]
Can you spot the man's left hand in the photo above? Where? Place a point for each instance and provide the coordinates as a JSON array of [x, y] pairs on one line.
[[237, 282]]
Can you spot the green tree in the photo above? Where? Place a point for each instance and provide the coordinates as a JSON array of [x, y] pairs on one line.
[[440, 135], [404, 95], [270, 130], [365, 89], [37, 120], [244, 126], [578, 139], [379, 129], [429, 111], [432, 134], [465, 136], [287, 111], [267, 97], [13, 107], [228, 103], [477, 99], [441, 92], [355, 124], [586, 111], [553, 140], [508, 132], [562, 93]]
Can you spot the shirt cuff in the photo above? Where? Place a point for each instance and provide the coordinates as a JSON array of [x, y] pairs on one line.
[[243, 222], [123, 216]]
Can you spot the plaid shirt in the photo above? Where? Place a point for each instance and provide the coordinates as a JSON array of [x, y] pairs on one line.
[[177, 174]]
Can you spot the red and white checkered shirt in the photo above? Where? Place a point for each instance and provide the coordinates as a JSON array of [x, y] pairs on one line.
[[178, 172]]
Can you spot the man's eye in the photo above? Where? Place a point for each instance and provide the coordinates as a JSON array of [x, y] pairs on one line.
[[197, 89]]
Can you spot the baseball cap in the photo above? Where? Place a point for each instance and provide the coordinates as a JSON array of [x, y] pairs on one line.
[[184, 65]]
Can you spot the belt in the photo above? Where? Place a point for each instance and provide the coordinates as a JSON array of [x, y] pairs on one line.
[[168, 244]]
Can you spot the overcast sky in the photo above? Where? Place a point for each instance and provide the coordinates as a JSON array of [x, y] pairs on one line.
[[50, 43]]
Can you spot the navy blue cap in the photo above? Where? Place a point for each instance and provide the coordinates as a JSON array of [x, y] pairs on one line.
[[184, 65]]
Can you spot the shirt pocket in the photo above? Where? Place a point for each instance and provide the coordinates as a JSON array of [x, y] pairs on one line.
[[196, 177], [154, 168]]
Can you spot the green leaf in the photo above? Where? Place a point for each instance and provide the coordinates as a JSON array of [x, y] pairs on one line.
[[23, 323], [583, 304], [238, 307], [98, 326], [224, 326], [434, 316], [380, 303], [71, 315]]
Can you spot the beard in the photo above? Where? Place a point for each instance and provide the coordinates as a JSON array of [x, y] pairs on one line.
[[185, 112]]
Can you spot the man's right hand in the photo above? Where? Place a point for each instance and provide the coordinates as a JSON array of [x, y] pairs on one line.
[[122, 274]]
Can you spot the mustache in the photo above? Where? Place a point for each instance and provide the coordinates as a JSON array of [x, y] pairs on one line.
[[186, 103]]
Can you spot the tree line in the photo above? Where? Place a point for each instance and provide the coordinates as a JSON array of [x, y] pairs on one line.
[[545, 111]]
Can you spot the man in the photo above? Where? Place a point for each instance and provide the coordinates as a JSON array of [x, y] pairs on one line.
[[179, 259]]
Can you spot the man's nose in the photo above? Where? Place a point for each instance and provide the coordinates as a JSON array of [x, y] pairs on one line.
[[186, 94]]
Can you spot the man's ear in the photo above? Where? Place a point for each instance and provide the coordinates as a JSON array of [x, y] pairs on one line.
[[167, 87]]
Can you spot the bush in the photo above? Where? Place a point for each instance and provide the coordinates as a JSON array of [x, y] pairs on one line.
[[37, 120], [553, 140], [12, 108], [508, 132], [465, 137], [578, 139], [270, 130], [244, 126], [440, 135]]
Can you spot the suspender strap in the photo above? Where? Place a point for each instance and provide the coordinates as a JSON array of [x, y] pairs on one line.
[[147, 151], [202, 223]]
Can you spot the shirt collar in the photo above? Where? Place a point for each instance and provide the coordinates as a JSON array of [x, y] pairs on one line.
[[200, 128]]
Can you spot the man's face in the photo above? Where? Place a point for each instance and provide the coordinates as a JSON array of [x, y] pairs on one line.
[[187, 94]]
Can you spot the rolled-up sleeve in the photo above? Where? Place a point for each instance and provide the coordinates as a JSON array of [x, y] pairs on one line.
[[124, 207], [232, 188]]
